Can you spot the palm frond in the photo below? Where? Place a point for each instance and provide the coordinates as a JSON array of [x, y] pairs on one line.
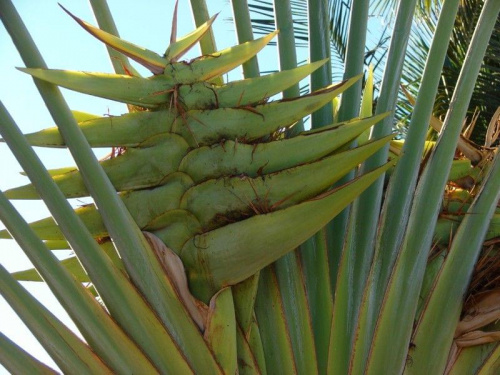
[[486, 96]]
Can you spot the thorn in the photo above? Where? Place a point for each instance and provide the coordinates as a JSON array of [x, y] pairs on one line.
[[78, 20], [173, 33]]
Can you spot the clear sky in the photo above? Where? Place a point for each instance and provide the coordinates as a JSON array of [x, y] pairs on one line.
[[65, 45]]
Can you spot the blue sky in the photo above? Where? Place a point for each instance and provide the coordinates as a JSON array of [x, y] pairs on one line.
[[65, 45]]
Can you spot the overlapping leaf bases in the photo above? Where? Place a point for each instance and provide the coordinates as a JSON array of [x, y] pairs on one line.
[[206, 167]]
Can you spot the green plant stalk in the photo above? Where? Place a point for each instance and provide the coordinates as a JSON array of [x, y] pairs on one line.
[[313, 252], [248, 362], [244, 32], [354, 59], [298, 315], [491, 364], [245, 292], [354, 64], [319, 41], [363, 217], [94, 260], [133, 248], [314, 264], [435, 329], [288, 273], [344, 313], [70, 353], [431, 273], [57, 245], [287, 269], [17, 361], [120, 62], [400, 302], [341, 261], [287, 51], [71, 264], [278, 350], [470, 360], [255, 343], [114, 287], [200, 14], [401, 186], [220, 331], [100, 331], [366, 213], [207, 42]]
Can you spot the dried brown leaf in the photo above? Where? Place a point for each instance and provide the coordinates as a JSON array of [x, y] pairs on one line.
[[174, 270], [493, 131], [477, 338], [485, 311]]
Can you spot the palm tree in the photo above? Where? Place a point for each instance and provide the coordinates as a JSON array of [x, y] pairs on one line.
[[217, 255], [484, 100]]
